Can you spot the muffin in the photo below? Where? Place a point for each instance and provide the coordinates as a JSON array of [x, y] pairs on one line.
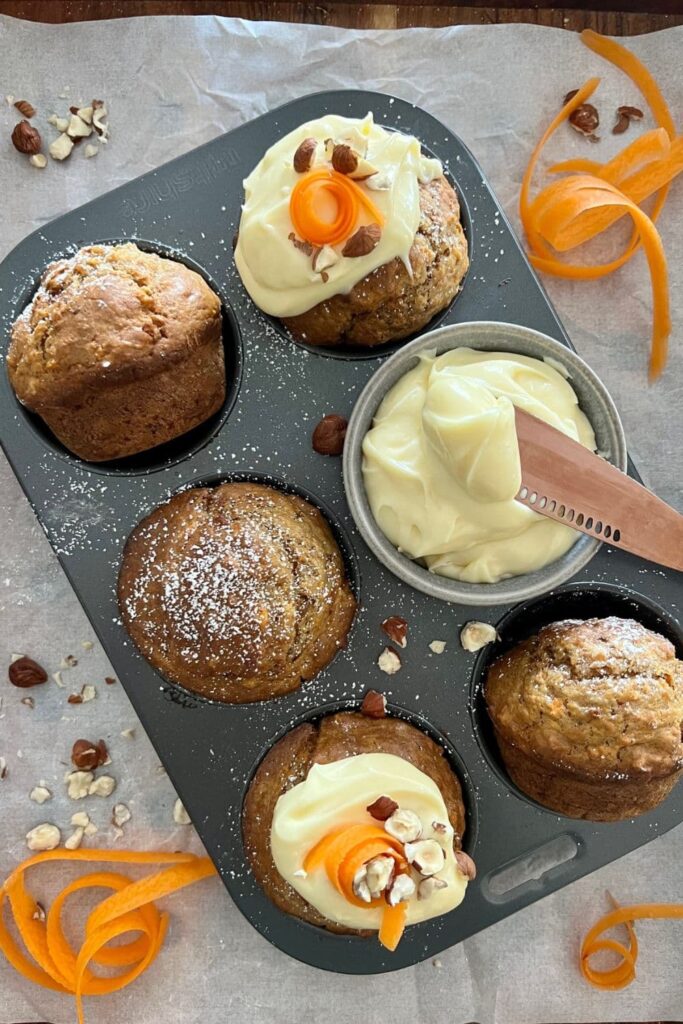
[[237, 592], [374, 269], [588, 717], [368, 780], [119, 351]]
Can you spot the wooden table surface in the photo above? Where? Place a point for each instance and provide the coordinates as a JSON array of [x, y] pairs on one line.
[[614, 17]]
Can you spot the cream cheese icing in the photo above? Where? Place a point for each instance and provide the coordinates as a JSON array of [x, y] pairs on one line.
[[441, 463], [278, 276], [337, 794]]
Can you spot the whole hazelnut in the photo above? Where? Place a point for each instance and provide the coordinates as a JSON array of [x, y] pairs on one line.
[[328, 436], [26, 138]]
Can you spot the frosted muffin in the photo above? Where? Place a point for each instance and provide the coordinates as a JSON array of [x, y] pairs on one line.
[[349, 234], [237, 592], [588, 717], [353, 816], [119, 351]]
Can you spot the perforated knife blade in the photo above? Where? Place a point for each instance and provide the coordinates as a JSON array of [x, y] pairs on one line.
[[565, 481]]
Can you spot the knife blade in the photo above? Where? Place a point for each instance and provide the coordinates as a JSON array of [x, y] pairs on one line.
[[564, 481]]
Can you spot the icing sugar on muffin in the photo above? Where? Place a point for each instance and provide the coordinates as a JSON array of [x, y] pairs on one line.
[[349, 234], [119, 351], [354, 824], [237, 592]]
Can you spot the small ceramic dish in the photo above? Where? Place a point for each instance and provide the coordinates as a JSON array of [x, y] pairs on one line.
[[594, 400]]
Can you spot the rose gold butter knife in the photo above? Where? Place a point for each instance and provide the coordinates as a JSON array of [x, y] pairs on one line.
[[565, 481]]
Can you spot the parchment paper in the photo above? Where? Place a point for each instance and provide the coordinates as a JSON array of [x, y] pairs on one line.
[[172, 84]]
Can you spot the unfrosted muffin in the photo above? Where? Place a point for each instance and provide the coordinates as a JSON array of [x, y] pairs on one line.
[[237, 592], [588, 717], [399, 260], [328, 774], [119, 351]]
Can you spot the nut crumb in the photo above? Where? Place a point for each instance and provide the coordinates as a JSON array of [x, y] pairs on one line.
[[57, 676], [28, 701], [78, 784], [69, 661], [40, 794], [109, 680], [374, 705], [389, 661], [437, 646], [475, 635], [180, 815], [396, 628], [120, 815], [39, 912], [87, 645], [128, 734], [43, 837], [3, 769], [75, 839], [102, 786], [80, 819]]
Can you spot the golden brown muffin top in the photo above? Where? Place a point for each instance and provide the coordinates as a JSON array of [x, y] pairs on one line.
[[237, 591], [600, 697], [109, 314]]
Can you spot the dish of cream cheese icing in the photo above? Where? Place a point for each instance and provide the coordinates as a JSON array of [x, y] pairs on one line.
[[337, 794], [279, 276], [441, 463]]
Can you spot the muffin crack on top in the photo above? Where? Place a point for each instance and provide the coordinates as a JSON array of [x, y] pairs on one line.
[[589, 715], [119, 351], [237, 592]]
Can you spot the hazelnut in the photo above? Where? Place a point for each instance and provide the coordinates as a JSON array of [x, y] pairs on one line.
[[43, 837], [382, 808], [401, 889], [360, 887], [24, 672], [379, 873], [26, 138], [344, 158], [374, 705], [61, 147], [305, 247], [475, 635], [86, 755], [396, 629], [466, 865], [99, 117], [60, 123], [304, 155], [389, 661], [624, 117], [25, 108], [426, 856], [81, 819], [328, 436], [120, 815], [363, 241], [404, 825], [430, 885], [325, 257], [38, 160], [585, 120]]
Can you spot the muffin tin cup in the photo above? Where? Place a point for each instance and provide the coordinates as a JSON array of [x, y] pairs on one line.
[[338, 949], [192, 206], [574, 601], [594, 400]]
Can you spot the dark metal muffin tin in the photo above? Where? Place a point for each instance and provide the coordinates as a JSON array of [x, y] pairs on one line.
[[278, 391]]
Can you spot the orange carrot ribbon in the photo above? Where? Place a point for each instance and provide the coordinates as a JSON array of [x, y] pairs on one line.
[[576, 209], [348, 198], [625, 971], [53, 962]]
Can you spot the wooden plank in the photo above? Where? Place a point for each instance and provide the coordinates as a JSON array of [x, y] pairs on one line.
[[631, 16]]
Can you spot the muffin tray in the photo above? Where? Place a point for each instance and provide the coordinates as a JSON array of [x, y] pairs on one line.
[[278, 390]]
